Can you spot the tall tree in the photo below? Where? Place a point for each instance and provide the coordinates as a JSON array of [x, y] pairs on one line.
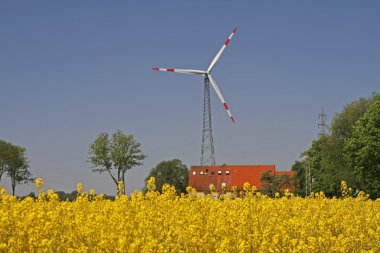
[[172, 172], [328, 166], [116, 155], [17, 165], [362, 150]]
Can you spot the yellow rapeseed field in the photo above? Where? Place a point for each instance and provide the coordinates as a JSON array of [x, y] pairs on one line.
[[189, 223]]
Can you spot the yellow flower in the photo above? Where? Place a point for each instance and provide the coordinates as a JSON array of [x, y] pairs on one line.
[[120, 188], [39, 184], [247, 187], [52, 195], [2, 191], [155, 222], [190, 190], [344, 189], [151, 184], [79, 187]]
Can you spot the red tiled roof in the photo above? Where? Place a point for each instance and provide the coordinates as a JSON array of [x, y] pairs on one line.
[[231, 175]]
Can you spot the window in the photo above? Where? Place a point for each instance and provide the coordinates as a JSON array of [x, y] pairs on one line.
[[194, 173], [212, 173], [224, 184], [219, 172], [227, 172], [201, 172]]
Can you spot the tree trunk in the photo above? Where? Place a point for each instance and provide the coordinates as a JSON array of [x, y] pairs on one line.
[[124, 182], [114, 179], [13, 187], [2, 170], [119, 178]]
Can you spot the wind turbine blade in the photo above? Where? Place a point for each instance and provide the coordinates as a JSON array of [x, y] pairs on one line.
[[215, 60], [216, 88], [182, 71]]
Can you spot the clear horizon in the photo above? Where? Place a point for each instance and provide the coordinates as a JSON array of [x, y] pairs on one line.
[[71, 70]]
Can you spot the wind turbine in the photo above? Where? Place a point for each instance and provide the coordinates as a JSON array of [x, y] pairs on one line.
[[207, 139]]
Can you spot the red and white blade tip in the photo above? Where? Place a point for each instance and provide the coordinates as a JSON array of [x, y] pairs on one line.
[[229, 38], [217, 56], [164, 69], [228, 111]]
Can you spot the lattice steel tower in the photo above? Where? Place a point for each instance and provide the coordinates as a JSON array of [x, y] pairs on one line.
[[308, 178], [207, 151], [322, 125]]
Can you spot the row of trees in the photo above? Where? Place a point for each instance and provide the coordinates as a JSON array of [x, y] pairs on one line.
[[349, 152], [122, 152], [14, 164], [114, 155]]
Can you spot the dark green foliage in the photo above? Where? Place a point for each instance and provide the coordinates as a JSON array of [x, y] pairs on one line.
[[362, 150], [275, 183], [299, 178], [172, 172], [326, 154], [61, 195]]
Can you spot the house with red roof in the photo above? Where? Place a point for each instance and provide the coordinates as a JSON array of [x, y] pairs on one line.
[[201, 177]]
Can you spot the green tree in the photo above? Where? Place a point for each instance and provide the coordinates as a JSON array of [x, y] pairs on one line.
[[327, 170], [313, 158], [299, 178], [172, 172], [275, 183], [328, 165], [115, 156], [72, 195], [4, 149], [333, 163], [362, 150], [16, 164], [61, 195]]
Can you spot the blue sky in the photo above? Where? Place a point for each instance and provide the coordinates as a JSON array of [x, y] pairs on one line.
[[73, 69]]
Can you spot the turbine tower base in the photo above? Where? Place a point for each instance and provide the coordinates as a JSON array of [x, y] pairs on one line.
[[207, 152]]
